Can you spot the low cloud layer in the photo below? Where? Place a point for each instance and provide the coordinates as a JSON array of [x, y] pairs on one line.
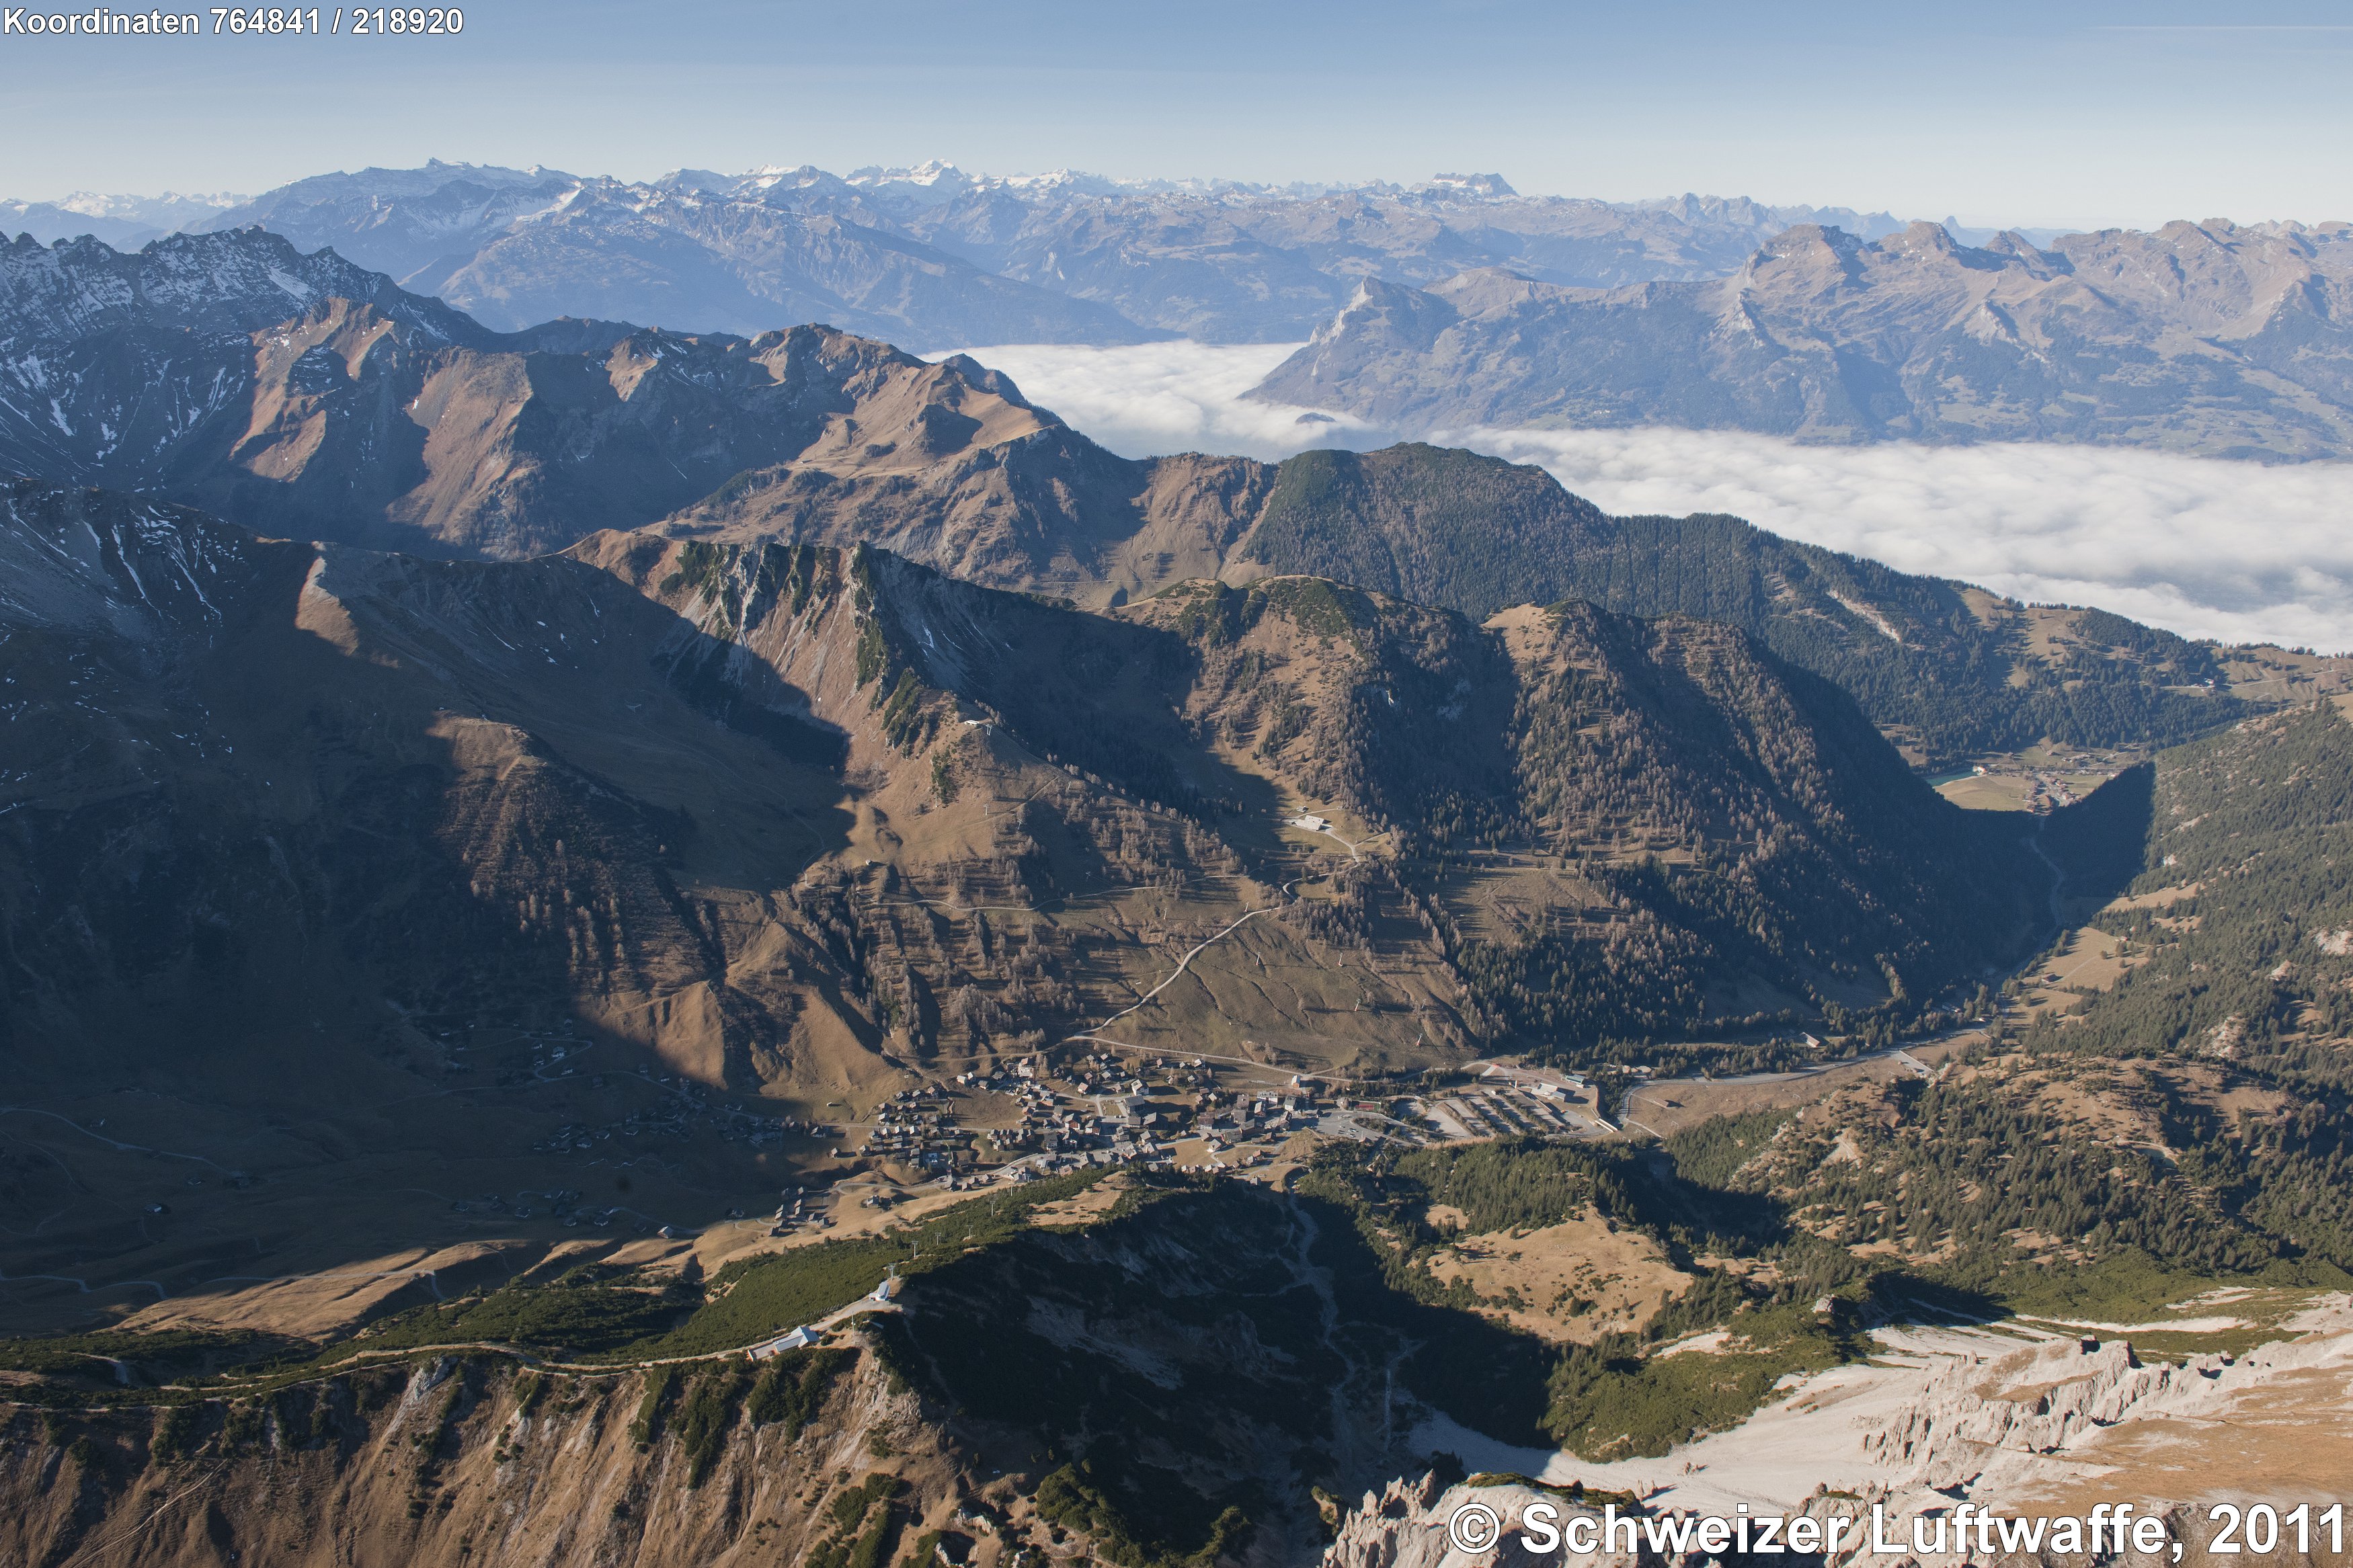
[[1152, 399], [2240, 551], [2235, 550]]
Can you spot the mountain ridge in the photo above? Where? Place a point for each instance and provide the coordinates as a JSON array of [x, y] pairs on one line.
[[517, 247], [2227, 340], [307, 396], [838, 667], [1220, 259]]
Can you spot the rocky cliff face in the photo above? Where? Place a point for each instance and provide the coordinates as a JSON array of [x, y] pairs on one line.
[[1981, 1426], [457, 1460], [142, 368], [2227, 340]]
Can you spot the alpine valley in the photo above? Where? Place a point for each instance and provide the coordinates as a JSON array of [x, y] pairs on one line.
[[721, 943]]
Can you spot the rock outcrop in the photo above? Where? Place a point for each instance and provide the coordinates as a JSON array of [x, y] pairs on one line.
[[2070, 1388], [1404, 1526], [455, 1461]]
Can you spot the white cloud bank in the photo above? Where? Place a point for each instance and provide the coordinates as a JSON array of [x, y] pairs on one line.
[[1152, 399], [2240, 551]]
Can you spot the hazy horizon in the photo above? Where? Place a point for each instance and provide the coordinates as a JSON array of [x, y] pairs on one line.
[[2014, 115], [1973, 221]]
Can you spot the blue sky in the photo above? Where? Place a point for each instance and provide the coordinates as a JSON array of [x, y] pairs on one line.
[[2049, 113]]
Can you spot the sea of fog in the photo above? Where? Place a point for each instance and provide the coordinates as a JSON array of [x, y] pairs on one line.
[[2242, 551]]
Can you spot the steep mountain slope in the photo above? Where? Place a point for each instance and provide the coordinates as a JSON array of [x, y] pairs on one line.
[[2228, 341], [518, 247], [305, 397], [1951, 670], [1009, 496], [2184, 1116], [139, 368], [331, 747], [1609, 824], [435, 1462], [284, 820], [2227, 860], [309, 856]]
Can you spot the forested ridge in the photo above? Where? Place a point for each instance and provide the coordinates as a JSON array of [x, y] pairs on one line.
[[2198, 1114], [1776, 829], [1706, 813], [2189, 1127], [1478, 534]]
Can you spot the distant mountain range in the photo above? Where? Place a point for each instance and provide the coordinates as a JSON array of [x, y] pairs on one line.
[[1434, 307], [515, 246], [306, 396], [934, 258], [126, 222], [2209, 338], [1232, 263]]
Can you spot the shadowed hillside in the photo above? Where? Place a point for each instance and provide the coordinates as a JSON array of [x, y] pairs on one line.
[[301, 395]]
